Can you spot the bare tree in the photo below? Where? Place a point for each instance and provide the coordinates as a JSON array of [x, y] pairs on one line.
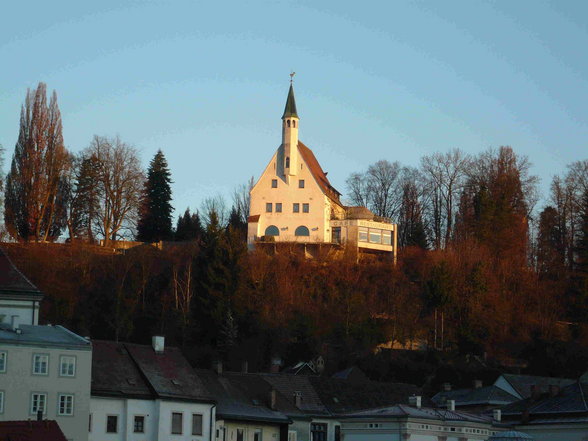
[[214, 205], [357, 189], [120, 182], [32, 205], [242, 199]]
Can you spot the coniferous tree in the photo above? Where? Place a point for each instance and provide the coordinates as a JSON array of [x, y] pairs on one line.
[[188, 227], [85, 199], [156, 215], [33, 204]]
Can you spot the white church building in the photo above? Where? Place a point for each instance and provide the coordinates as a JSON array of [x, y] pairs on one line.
[[293, 201]]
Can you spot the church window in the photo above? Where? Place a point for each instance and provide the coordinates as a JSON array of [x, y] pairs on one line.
[[287, 162], [294, 124], [268, 207], [288, 122], [300, 183], [296, 207], [272, 230], [305, 208], [302, 231], [274, 183], [278, 207]]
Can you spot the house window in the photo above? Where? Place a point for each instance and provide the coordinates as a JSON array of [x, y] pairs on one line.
[[1, 401], [375, 236], [300, 183], [274, 183], [112, 424], [3, 361], [336, 235], [387, 237], [139, 424], [268, 207], [318, 432], [38, 403], [272, 230], [65, 405], [363, 234], [239, 434], [177, 422], [302, 231], [196, 424], [337, 433], [292, 435], [278, 207], [257, 435], [296, 207], [305, 208], [40, 364], [67, 366]]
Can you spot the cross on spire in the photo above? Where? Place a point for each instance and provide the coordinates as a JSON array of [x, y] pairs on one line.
[[292, 76]]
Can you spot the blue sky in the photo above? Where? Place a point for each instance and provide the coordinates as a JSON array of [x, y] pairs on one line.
[[395, 80]]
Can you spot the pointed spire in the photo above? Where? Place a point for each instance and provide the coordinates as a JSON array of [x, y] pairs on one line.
[[290, 109]]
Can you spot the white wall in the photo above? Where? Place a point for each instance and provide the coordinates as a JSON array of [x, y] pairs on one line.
[[27, 310], [270, 432], [570, 432]]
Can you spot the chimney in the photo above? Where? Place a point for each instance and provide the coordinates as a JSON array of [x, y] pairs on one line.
[[245, 367], [477, 384], [553, 390], [15, 322], [446, 387], [158, 343], [217, 366], [497, 415], [39, 415], [415, 401], [450, 404], [298, 398], [276, 364], [272, 399]]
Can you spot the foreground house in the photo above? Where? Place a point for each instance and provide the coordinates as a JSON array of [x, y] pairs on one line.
[[142, 392], [45, 374], [293, 201]]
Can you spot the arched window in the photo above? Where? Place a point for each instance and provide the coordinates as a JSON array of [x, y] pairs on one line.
[[293, 123], [288, 123], [301, 231], [272, 230]]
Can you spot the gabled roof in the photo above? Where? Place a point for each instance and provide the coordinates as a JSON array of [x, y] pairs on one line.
[[289, 385], [137, 371], [290, 109], [13, 283], [523, 384], [572, 399], [47, 430], [241, 397], [404, 411], [490, 395], [318, 173]]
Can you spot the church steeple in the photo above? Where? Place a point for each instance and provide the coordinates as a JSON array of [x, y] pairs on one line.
[[290, 133]]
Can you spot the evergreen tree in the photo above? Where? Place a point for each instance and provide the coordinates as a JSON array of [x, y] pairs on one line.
[[188, 227], [156, 216]]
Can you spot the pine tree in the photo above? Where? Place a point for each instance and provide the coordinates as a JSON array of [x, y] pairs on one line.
[[188, 227], [85, 199], [156, 216]]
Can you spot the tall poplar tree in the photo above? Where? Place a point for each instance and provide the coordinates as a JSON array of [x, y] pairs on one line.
[[155, 222], [33, 205]]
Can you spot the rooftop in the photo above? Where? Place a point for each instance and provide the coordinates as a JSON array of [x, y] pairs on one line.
[[490, 395], [14, 283], [45, 336], [47, 430]]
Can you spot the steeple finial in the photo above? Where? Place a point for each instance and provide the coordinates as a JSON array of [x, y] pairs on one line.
[[292, 76]]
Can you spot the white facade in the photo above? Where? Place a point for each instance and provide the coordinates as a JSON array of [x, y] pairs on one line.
[[156, 418], [26, 311], [230, 430]]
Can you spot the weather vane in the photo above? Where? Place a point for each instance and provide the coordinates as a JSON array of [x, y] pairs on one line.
[[292, 77]]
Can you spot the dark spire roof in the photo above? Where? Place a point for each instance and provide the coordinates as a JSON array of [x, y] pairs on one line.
[[290, 109]]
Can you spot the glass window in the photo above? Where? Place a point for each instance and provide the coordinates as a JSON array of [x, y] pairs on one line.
[[239, 434], [278, 207], [300, 183], [274, 183], [363, 234], [268, 207], [318, 432], [296, 207], [305, 208], [272, 230], [66, 403], [112, 424], [292, 435], [301, 231], [387, 237], [38, 403], [337, 433], [196, 424], [375, 236], [2, 361], [1, 401], [40, 364], [336, 235], [257, 435], [139, 425], [67, 366], [177, 422]]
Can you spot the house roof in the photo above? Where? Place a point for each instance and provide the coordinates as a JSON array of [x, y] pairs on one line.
[[13, 283], [131, 370], [241, 397], [47, 430], [404, 411], [491, 395], [290, 109], [46, 336], [523, 384], [318, 173]]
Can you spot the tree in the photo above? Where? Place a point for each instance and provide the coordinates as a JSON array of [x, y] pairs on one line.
[[188, 227], [33, 201], [155, 223], [119, 183], [550, 249], [410, 222]]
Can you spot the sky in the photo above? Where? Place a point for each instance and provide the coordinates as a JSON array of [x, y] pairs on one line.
[[206, 82]]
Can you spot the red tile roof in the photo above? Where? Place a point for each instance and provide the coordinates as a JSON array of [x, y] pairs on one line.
[[47, 430], [318, 173]]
